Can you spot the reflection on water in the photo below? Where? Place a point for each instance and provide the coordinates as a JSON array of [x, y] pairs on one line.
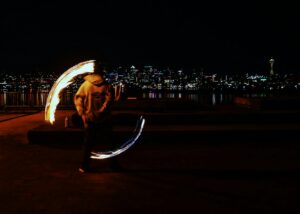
[[213, 99], [206, 99], [31, 98], [170, 95], [39, 98]]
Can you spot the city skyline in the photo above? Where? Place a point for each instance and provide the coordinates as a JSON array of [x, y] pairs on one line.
[[267, 69], [157, 78]]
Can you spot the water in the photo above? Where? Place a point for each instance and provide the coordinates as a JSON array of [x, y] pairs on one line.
[[39, 98], [202, 98]]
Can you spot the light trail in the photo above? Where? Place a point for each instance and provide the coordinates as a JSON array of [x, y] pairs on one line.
[[53, 99], [136, 134], [61, 83]]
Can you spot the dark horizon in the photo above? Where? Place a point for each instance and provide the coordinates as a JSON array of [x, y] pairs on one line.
[[231, 37]]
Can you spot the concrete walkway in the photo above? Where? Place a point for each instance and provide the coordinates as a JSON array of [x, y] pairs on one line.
[[206, 176]]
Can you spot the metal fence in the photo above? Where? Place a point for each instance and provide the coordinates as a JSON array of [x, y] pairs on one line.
[[35, 99], [39, 98]]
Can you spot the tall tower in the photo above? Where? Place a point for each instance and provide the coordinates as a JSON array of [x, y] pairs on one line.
[[271, 66]]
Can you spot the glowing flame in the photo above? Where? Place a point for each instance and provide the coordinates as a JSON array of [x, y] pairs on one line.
[[62, 82]]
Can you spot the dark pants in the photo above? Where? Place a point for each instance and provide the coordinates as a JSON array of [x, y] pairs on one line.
[[99, 134]]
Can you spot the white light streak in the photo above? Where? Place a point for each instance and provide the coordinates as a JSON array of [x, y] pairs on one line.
[[136, 134]]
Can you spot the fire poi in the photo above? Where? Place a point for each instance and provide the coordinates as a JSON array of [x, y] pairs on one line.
[[53, 99], [61, 83]]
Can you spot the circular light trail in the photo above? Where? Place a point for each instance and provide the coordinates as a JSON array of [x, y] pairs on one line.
[[53, 99]]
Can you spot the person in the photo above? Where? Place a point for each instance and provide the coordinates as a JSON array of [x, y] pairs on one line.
[[93, 103]]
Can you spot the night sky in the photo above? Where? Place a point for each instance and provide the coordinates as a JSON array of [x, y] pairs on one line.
[[220, 36]]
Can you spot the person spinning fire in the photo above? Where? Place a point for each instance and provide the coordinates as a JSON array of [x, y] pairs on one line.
[[93, 102]]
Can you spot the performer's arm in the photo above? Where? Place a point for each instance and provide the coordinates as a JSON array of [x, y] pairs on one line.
[[79, 101], [108, 99]]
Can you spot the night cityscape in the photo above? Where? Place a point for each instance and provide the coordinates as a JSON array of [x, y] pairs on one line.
[[152, 78], [149, 107]]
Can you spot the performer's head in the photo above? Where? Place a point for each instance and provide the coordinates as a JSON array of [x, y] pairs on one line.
[[100, 68]]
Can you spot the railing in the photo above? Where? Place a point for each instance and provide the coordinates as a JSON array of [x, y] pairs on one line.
[[39, 98], [33, 99]]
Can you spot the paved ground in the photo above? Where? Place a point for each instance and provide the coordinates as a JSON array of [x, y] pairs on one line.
[[5, 117], [203, 175]]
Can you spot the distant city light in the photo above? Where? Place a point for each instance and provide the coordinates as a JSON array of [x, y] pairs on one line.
[[151, 78]]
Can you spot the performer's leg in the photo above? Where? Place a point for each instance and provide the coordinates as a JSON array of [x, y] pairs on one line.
[[87, 147]]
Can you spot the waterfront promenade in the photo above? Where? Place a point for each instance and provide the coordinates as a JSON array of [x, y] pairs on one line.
[[221, 161]]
